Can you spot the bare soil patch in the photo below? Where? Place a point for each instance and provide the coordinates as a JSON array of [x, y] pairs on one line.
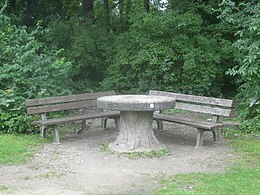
[[77, 166]]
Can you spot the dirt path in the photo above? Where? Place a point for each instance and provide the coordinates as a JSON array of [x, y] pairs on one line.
[[79, 167]]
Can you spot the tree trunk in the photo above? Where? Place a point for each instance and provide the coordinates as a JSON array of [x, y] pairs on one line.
[[12, 6], [146, 5], [128, 7], [88, 8], [59, 7], [106, 15], [29, 19]]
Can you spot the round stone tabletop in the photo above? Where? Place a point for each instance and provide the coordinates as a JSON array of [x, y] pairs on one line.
[[135, 102]]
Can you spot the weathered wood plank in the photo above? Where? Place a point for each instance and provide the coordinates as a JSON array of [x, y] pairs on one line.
[[63, 99], [76, 118], [195, 99], [203, 109], [186, 121], [59, 107]]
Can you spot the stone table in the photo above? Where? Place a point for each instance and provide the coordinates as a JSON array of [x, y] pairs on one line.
[[136, 118]]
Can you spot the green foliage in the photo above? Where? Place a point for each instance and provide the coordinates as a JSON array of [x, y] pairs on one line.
[[168, 51], [245, 16], [88, 46], [251, 126], [3, 188], [28, 70]]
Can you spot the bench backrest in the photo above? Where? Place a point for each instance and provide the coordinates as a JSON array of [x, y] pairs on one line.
[[202, 104], [59, 103]]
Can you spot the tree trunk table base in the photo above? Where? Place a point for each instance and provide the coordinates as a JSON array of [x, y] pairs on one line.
[[136, 119], [136, 133]]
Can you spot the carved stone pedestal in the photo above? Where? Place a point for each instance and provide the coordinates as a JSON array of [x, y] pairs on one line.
[[136, 118], [136, 133]]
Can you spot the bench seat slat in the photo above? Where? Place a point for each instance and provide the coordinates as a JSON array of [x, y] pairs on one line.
[[63, 99], [191, 122], [76, 118]]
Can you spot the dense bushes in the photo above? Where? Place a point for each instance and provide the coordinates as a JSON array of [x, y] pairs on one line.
[[246, 17], [86, 45], [28, 69], [184, 48], [169, 51]]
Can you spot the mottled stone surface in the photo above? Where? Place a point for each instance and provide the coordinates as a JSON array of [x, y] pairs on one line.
[[136, 117], [135, 102]]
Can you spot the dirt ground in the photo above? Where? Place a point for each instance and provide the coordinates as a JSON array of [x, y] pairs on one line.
[[78, 167]]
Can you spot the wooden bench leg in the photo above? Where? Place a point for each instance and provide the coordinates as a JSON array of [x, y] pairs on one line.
[[83, 125], [200, 138], [104, 122], [216, 135], [117, 122], [42, 128], [159, 124], [42, 131], [56, 137]]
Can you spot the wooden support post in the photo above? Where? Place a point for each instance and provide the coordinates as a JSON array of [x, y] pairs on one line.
[[159, 124], [42, 127], [56, 137], [158, 121], [216, 132], [117, 122], [216, 135], [200, 138], [104, 122], [215, 119], [83, 125]]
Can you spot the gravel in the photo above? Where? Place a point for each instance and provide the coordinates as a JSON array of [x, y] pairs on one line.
[[77, 166]]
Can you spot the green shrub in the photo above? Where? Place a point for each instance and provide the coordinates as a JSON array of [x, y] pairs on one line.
[[86, 45], [245, 16], [28, 69], [169, 51], [251, 126]]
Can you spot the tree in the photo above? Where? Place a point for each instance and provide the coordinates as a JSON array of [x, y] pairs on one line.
[[147, 5], [12, 6], [246, 16], [28, 69], [170, 51], [88, 8], [107, 14]]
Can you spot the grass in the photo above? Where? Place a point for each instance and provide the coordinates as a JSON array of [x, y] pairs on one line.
[[136, 155], [244, 178], [3, 188], [17, 149]]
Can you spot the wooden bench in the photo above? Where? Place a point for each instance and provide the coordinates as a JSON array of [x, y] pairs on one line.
[[216, 107], [77, 103]]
